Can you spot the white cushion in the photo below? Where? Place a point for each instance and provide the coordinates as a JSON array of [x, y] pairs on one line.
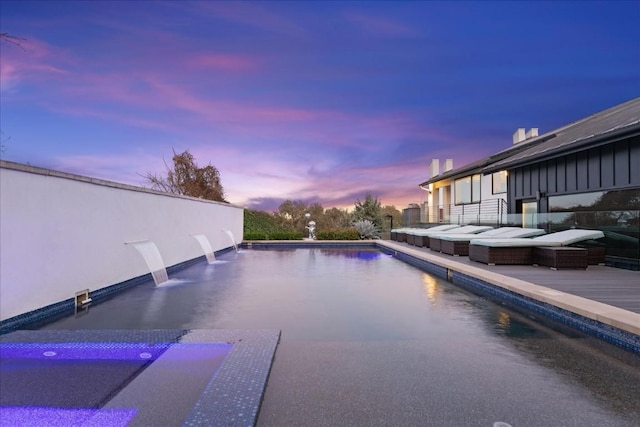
[[560, 238]]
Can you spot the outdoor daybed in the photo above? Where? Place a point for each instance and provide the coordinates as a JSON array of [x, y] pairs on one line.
[[400, 234], [421, 239], [550, 249], [458, 244], [411, 236]]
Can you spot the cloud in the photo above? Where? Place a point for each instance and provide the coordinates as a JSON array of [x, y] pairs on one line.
[[253, 15], [32, 60], [223, 62], [379, 27]]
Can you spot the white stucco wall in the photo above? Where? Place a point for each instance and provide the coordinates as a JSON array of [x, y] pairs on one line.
[[61, 233]]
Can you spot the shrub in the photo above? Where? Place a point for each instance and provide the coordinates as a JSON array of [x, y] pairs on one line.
[[259, 222], [338, 234], [367, 229], [274, 235]]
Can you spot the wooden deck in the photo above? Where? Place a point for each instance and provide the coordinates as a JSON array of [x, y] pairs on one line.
[[613, 286]]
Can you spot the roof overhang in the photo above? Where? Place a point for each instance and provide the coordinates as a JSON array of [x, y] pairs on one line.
[[580, 145]]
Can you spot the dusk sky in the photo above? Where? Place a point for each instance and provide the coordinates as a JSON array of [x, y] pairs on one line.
[[314, 101]]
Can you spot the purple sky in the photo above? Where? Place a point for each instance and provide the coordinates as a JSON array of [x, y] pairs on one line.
[[315, 101]]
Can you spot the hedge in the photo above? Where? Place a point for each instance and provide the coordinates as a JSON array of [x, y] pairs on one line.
[[275, 235], [342, 234]]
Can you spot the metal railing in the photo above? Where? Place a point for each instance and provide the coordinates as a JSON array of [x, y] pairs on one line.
[[486, 212]]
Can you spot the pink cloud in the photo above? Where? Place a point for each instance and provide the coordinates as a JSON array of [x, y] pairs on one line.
[[373, 25], [224, 62], [253, 15], [32, 60]]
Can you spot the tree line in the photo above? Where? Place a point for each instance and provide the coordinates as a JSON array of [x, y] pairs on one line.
[[185, 177]]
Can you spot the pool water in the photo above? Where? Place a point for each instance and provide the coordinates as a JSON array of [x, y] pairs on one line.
[[98, 383], [369, 340]]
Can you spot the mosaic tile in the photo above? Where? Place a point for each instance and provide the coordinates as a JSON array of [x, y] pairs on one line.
[[234, 392]]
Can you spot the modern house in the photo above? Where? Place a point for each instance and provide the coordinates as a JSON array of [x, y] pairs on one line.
[[466, 195], [585, 174]]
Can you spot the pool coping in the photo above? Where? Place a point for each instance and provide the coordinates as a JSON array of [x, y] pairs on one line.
[[612, 324], [233, 394]]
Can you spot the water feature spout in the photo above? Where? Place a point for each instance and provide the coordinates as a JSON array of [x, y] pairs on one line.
[[206, 247], [152, 257], [233, 241]]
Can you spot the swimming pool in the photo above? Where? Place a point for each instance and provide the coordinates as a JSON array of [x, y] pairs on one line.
[[369, 340]]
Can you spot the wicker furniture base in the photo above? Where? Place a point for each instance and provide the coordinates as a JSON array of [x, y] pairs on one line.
[[402, 237], [421, 241], [501, 255], [595, 255], [434, 244], [394, 236], [411, 239], [450, 247], [560, 257]]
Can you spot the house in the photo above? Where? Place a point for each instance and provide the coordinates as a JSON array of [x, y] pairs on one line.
[[466, 195], [585, 174]]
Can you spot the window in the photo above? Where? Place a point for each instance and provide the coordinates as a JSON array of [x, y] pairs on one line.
[[467, 190], [499, 182]]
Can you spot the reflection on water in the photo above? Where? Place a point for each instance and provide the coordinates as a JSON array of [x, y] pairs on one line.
[[430, 286], [363, 254]]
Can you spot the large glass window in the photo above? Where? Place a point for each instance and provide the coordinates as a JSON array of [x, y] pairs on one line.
[[467, 190], [499, 182], [475, 189], [596, 201]]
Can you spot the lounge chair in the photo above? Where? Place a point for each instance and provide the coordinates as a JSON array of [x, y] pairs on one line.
[[414, 236], [550, 249], [423, 239], [458, 244], [399, 234]]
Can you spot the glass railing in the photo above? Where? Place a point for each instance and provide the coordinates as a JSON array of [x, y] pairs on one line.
[[621, 229]]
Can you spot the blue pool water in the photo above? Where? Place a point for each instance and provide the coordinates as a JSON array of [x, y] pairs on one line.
[[369, 340], [71, 383]]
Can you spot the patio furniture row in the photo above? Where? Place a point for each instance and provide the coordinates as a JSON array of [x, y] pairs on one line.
[[509, 245]]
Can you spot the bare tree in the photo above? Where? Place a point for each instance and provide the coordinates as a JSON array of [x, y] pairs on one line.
[[186, 178]]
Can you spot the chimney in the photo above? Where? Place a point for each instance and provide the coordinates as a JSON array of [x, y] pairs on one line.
[[448, 165], [519, 135], [434, 168], [533, 132]]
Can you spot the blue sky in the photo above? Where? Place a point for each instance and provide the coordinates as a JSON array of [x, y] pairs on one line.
[[314, 101]]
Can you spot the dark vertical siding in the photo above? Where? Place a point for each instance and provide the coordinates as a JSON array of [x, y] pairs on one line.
[[634, 161], [561, 174], [519, 183], [535, 180], [512, 187], [621, 163], [542, 178], [582, 171], [593, 159], [552, 171], [526, 176], [572, 184], [606, 166]]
